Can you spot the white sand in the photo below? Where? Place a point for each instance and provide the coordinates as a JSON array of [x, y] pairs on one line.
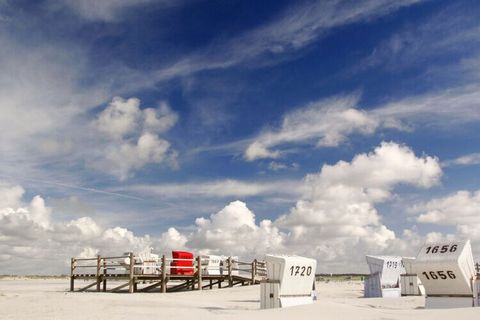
[[49, 299]]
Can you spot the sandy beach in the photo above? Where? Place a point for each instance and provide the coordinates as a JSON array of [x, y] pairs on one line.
[[50, 299]]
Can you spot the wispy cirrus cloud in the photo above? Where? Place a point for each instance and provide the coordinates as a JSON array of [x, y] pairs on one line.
[[219, 189], [294, 29], [326, 123], [448, 34], [465, 160], [443, 108], [330, 122], [110, 10]]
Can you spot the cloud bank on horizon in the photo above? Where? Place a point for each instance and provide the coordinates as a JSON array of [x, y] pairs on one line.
[[330, 129]]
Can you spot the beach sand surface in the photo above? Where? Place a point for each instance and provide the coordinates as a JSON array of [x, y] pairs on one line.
[[50, 299]]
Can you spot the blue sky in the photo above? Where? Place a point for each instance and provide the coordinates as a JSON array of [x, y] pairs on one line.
[[330, 129]]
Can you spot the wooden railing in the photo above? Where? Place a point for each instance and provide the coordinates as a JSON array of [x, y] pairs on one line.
[[124, 267]]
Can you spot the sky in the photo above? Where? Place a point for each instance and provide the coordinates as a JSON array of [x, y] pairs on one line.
[[328, 129]]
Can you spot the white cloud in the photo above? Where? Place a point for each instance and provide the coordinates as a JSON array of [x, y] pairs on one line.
[[124, 117], [170, 240], [449, 32], [220, 189], [107, 10], [32, 231], [337, 220], [39, 213], [132, 139], [466, 160], [444, 108], [85, 227], [330, 121], [48, 79], [297, 27], [460, 209], [327, 123], [277, 166], [257, 150], [10, 195], [159, 120], [233, 230], [120, 118], [121, 160]]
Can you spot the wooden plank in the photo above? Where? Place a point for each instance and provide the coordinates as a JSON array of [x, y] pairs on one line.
[[184, 285], [104, 276], [72, 278], [199, 272], [119, 257], [153, 286], [211, 284], [85, 259], [88, 287], [164, 274], [98, 276], [254, 268], [230, 279], [131, 280], [120, 287]]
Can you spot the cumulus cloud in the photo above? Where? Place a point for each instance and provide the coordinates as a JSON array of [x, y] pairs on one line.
[[124, 116], [326, 123], [120, 117], [460, 209], [132, 137], [172, 239], [124, 158], [233, 230], [160, 119], [337, 218], [10, 195], [31, 231]]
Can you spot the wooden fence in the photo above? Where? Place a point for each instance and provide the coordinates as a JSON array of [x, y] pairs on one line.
[[123, 268]]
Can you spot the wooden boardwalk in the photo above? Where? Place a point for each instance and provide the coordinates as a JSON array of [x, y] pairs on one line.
[[131, 277]]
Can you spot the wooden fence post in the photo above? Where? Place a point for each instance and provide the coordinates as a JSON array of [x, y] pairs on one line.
[[199, 270], [98, 273], [131, 280], [104, 275], [254, 270], [230, 267], [72, 277], [164, 274]]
